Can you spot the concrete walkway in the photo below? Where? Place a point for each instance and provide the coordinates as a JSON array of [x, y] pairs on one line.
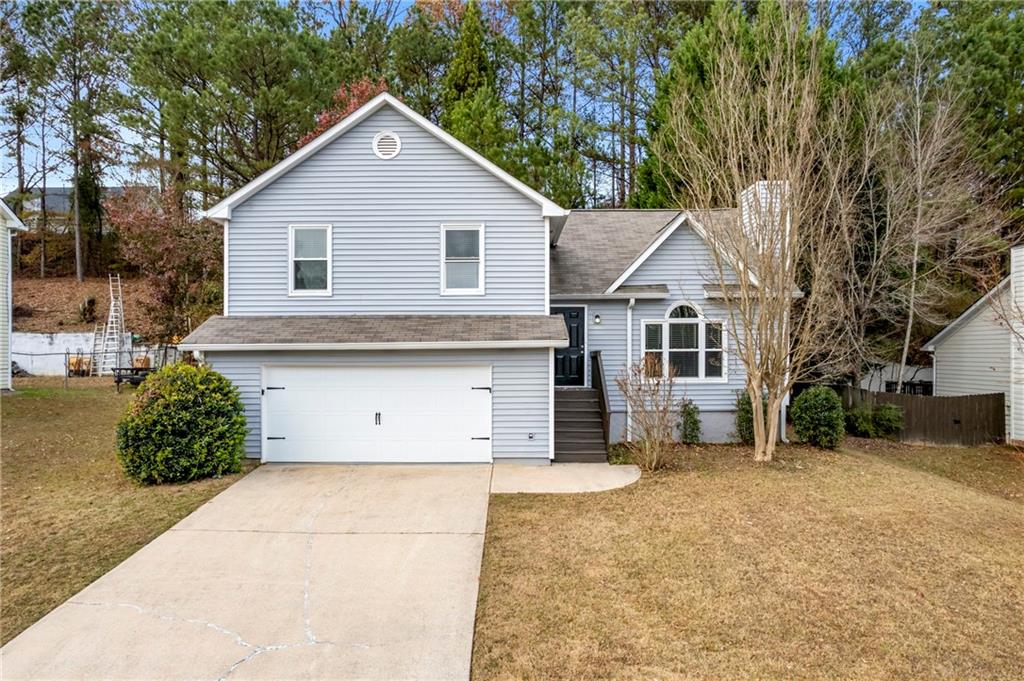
[[298, 572], [561, 478]]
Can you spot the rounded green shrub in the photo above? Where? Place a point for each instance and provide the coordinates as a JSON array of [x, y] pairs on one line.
[[689, 423], [887, 419], [818, 417], [860, 421], [744, 418], [184, 423]]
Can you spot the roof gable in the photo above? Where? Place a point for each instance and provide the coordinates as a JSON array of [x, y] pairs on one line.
[[595, 246], [967, 315], [222, 211], [10, 220], [683, 218]]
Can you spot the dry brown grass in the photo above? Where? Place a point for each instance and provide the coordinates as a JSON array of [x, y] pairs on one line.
[[818, 566], [69, 513]]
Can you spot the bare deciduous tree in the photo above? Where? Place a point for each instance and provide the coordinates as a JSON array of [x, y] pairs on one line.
[[913, 212], [653, 412], [777, 258], [933, 188]]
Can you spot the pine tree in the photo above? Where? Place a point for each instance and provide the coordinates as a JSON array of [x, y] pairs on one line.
[[472, 110], [977, 47]]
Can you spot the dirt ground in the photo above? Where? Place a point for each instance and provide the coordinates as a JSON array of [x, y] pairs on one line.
[[51, 305]]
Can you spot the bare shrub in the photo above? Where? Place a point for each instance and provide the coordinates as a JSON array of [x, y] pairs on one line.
[[653, 413]]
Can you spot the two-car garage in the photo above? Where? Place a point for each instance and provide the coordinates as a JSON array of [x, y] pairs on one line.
[[377, 414], [389, 388]]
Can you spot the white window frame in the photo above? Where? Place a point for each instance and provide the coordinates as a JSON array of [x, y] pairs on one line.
[[479, 291], [310, 293], [702, 322]]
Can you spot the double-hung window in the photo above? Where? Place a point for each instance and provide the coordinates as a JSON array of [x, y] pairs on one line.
[[309, 260], [462, 259], [684, 346]]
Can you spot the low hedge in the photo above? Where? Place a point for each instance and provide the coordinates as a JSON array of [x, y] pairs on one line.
[[689, 425], [818, 417], [184, 423]]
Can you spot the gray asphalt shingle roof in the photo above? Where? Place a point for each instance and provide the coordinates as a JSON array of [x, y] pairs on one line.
[[378, 329], [596, 246]]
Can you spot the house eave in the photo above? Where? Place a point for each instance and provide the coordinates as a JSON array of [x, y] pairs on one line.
[[443, 345]]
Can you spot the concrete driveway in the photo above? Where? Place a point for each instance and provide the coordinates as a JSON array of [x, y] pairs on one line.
[[295, 572]]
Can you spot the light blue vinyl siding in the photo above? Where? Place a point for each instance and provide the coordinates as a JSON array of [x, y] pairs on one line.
[[684, 264], [387, 218], [520, 381]]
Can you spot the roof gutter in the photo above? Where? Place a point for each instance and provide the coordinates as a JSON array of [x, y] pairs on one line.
[[436, 345]]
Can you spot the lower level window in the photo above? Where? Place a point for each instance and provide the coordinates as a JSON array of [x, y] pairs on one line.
[[684, 346]]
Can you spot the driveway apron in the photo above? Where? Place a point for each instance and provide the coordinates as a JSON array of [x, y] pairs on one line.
[[295, 572]]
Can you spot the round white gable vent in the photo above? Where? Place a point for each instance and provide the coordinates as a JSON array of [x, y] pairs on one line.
[[386, 144]]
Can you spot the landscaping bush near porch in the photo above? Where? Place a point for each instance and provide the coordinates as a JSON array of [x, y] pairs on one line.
[[185, 423]]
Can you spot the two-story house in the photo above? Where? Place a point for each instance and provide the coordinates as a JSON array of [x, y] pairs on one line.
[[392, 296]]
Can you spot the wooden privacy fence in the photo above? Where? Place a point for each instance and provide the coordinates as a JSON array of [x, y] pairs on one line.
[[962, 420]]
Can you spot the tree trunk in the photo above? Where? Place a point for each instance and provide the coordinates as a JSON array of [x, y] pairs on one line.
[[43, 224], [79, 269], [910, 318]]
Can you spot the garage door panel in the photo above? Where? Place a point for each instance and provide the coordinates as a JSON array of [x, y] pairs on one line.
[[426, 414]]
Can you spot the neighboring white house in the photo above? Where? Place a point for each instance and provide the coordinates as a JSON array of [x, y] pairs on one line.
[[884, 377], [979, 353], [9, 223]]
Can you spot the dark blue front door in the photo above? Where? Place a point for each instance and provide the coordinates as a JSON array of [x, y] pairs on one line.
[[570, 362]]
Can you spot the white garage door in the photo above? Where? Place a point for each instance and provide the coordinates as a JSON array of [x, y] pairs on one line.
[[377, 414]]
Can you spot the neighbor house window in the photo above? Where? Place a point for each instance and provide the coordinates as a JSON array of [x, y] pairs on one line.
[[685, 345], [462, 256], [309, 260]]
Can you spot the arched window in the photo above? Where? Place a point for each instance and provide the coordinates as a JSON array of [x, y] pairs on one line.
[[683, 312], [685, 346]]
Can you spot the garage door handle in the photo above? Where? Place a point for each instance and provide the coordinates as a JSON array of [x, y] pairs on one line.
[[274, 438], [479, 438], [482, 387]]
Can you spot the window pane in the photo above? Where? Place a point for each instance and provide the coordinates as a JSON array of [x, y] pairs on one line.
[[652, 364], [462, 243], [683, 364], [683, 312], [310, 275], [713, 336], [462, 275], [682, 336], [713, 364], [653, 337], [310, 243]]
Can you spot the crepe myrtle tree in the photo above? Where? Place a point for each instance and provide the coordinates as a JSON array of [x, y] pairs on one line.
[[757, 109]]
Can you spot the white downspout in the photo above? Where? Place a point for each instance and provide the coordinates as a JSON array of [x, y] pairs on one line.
[[629, 357]]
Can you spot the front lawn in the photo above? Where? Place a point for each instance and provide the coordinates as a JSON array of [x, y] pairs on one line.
[[889, 562], [69, 513]]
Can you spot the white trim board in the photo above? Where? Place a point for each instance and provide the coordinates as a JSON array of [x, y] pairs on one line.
[[431, 345], [222, 211], [10, 220]]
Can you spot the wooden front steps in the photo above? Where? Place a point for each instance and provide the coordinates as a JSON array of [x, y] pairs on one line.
[[579, 434]]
